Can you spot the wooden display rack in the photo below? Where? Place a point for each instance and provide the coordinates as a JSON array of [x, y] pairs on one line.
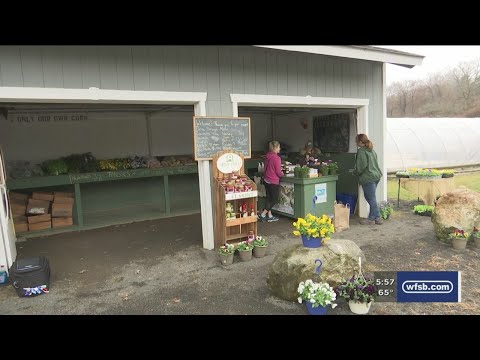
[[235, 230]]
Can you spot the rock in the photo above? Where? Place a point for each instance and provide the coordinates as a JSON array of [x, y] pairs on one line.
[[457, 209], [297, 263]]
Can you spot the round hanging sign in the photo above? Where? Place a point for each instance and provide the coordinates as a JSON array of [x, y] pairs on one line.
[[229, 162]]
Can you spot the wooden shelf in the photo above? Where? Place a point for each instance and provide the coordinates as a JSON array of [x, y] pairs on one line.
[[236, 230], [236, 236], [241, 221]]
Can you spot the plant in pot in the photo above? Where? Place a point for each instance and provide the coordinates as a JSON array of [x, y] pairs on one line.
[[360, 293], [314, 230], [386, 210], [324, 168], [317, 296], [476, 237], [333, 168], [245, 250], [423, 210], [226, 254], [260, 247], [301, 171], [459, 239], [447, 173]]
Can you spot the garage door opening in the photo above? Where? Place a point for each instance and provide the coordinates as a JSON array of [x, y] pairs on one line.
[[121, 163], [332, 130]]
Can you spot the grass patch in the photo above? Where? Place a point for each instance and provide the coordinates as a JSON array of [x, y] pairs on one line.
[[470, 181]]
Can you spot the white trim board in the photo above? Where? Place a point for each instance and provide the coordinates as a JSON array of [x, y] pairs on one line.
[[362, 53], [314, 102], [297, 101], [101, 96]]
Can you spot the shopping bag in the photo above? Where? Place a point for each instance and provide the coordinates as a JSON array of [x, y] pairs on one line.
[[341, 219]]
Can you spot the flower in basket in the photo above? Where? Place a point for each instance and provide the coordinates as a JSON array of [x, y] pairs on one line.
[[245, 246], [358, 288], [227, 249], [318, 294], [260, 241], [386, 209], [458, 234], [314, 226]]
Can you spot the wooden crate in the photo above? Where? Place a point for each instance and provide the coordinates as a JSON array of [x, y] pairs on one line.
[[18, 198], [64, 200], [62, 210], [18, 209], [40, 226], [22, 227], [39, 218], [62, 222], [20, 219], [38, 204], [42, 195], [60, 194]]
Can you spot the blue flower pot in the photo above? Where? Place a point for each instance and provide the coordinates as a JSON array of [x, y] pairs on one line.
[[311, 242], [319, 310]]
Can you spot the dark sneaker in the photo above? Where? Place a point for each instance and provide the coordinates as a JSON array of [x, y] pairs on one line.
[[366, 222], [272, 219], [379, 221], [262, 218]]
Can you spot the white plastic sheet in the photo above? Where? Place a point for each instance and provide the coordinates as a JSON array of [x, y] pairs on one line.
[[432, 142]]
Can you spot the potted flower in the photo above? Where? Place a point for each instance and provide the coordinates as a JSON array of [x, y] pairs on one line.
[[301, 171], [260, 247], [333, 168], [359, 291], [459, 239], [245, 250], [317, 296], [324, 167], [314, 230], [476, 236], [386, 210], [226, 254]]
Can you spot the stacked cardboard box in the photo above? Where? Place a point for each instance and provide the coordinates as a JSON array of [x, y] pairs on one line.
[[62, 209], [18, 204], [43, 210], [38, 211]]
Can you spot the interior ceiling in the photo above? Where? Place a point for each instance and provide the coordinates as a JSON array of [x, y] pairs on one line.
[[32, 107]]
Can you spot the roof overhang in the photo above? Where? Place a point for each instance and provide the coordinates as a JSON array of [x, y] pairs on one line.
[[356, 52]]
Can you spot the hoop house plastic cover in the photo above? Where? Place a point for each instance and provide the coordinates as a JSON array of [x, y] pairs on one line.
[[432, 142]]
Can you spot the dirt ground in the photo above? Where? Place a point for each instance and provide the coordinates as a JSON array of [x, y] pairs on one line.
[[160, 267]]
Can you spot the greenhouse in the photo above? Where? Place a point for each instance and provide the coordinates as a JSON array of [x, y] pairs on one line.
[[432, 143]]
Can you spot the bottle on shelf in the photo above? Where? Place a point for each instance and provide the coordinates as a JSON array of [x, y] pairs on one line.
[[252, 211]]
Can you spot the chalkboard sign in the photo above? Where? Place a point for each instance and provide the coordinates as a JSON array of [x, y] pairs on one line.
[[331, 133], [214, 134]]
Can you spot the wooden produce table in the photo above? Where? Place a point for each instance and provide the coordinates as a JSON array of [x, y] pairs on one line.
[[300, 196], [97, 177], [426, 189]]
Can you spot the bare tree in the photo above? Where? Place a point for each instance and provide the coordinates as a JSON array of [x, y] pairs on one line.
[[466, 76]]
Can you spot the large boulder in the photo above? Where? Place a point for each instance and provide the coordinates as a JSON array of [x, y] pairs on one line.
[[297, 263], [457, 209]]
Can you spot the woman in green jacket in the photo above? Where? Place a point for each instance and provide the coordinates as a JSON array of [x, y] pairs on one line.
[[369, 175]]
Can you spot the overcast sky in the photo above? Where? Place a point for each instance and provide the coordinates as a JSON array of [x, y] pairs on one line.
[[437, 58]]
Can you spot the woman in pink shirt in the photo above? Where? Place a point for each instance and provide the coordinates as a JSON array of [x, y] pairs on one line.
[[273, 173]]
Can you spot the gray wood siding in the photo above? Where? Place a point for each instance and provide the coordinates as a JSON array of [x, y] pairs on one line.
[[217, 70]]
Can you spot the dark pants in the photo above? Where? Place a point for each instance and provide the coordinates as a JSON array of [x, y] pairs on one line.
[[369, 192], [273, 191]]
